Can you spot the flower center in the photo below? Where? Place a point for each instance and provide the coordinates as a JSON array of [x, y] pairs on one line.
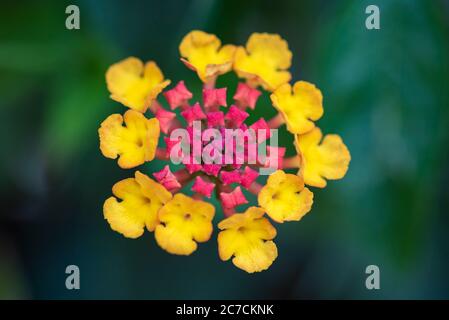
[[242, 229], [187, 216]]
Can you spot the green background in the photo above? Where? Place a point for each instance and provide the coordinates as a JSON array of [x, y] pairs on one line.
[[385, 92]]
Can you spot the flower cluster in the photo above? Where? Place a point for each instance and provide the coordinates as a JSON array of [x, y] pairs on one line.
[[213, 163]]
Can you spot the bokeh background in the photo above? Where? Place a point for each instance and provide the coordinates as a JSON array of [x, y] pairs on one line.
[[386, 94]]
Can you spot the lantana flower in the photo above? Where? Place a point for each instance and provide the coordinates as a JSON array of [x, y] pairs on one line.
[[320, 159], [299, 106], [248, 238], [184, 222], [141, 198], [203, 53], [134, 84], [264, 61], [285, 198], [133, 143], [218, 152]]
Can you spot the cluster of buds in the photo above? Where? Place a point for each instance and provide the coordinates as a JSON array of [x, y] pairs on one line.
[[217, 152]]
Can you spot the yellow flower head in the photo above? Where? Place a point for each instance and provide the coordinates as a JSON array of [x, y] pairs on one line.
[[180, 222], [300, 107], [319, 161], [265, 61], [203, 53], [141, 198], [285, 198], [134, 143], [247, 236], [184, 221], [135, 85]]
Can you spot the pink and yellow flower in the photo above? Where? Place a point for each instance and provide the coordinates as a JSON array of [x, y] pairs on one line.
[[226, 167]]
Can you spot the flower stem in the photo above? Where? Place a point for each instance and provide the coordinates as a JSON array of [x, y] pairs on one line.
[[161, 154], [276, 121], [255, 188], [210, 84], [291, 162], [154, 106], [197, 196], [182, 175], [228, 211]]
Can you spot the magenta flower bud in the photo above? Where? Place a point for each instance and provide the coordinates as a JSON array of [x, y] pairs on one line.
[[167, 178], [246, 96], [215, 119], [178, 96], [233, 199], [193, 167], [203, 187], [193, 113], [211, 169], [235, 116], [229, 177], [166, 119], [248, 177], [214, 98]]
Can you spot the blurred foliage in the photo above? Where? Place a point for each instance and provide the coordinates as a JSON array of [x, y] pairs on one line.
[[385, 91]]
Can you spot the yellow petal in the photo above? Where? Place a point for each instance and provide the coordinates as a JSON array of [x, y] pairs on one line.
[[300, 107], [202, 52], [133, 84], [184, 222], [257, 258], [158, 196], [175, 241], [264, 61], [123, 216], [134, 143], [328, 160], [246, 236], [285, 198], [138, 206]]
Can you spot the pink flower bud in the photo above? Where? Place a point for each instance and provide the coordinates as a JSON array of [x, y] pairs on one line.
[[235, 116], [215, 119], [233, 199], [248, 177], [166, 119], [214, 98], [229, 177], [193, 167], [211, 169], [177, 96], [193, 113], [246, 96], [167, 178], [203, 187]]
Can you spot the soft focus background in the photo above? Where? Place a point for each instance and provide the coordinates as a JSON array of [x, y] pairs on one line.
[[386, 94]]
